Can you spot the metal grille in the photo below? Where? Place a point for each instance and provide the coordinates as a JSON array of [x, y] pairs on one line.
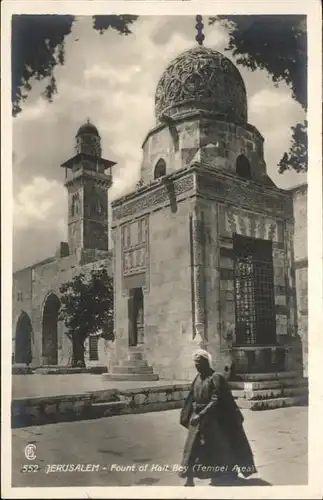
[[245, 302], [265, 303], [254, 292]]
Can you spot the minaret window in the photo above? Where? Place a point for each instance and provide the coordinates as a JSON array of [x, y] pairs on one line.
[[243, 168], [160, 169], [75, 204], [97, 208]]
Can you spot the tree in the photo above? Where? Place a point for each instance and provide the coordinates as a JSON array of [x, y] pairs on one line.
[[38, 46], [87, 308], [296, 159], [277, 44]]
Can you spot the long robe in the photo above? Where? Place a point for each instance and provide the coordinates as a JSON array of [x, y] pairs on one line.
[[218, 444]]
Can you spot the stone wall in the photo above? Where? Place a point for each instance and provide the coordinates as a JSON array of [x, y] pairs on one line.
[[168, 305], [167, 295], [193, 215], [300, 252], [203, 139], [221, 222], [21, 300], [234, 221], [36, 283]]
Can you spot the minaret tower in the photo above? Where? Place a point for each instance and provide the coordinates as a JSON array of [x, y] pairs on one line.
[[88, 178]]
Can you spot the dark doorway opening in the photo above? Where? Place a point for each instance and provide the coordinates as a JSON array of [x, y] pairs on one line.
[[243, 168], [160, 169], [136, 317], [94, 348], [50, 336], [254, 291], [23, 353]]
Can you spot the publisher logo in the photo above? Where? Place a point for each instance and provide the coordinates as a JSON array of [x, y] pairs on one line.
[[30, 452]]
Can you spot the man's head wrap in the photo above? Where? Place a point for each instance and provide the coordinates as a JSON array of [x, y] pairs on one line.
[[201, 353]]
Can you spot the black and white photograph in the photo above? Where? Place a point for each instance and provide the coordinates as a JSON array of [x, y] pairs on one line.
[[159, 325]]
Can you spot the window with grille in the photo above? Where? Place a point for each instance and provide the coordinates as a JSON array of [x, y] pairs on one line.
[[93, 348], [254, 291]]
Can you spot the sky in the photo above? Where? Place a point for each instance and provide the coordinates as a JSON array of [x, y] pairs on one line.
[[111, 80]]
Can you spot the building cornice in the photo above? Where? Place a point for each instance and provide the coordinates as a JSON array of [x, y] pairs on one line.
[[299, 189], [203, 181], [198, 115]]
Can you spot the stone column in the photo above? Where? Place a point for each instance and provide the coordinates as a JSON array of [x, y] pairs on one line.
[[291, 285], [198, 276]]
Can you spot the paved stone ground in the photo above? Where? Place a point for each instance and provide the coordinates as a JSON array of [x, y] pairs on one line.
[[32, 386], [278, 439]]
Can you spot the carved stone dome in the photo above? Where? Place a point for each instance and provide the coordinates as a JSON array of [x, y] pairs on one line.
[[202, 79]]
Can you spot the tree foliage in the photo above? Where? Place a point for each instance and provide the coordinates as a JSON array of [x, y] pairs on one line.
[[87, 308], [121, 23], [38, 46], [296, 159], [277, 44]]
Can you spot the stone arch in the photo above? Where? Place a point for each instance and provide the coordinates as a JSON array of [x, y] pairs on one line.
[[160, 169], [51, 309], [23, 339], [243, 167]]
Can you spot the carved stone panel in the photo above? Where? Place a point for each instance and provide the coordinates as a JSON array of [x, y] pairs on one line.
[[135, 253], [246, 196], [249, 224], [149, 200]]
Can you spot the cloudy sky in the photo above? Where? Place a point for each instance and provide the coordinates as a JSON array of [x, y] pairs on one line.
[[111, 79]]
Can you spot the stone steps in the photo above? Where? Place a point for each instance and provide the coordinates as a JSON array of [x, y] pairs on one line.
[[134, 368], [133, 364], [269, 393], [262, 391], [108, 408], [259, 377], [152, 397], [58, 370], [270, 404], [269, 384], [116, 370], [131, 376]]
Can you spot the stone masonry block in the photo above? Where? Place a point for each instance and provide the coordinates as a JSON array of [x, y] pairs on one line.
[[79, 406], [50, 409], [65, 406], [33, 411], [152, 397], [226, 285], [280, 300], [139, 399], [226, 262]]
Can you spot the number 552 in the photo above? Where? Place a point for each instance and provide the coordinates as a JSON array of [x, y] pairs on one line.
[[30, 468]]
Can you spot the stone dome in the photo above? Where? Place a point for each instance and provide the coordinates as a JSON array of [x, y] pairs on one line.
[[88, 128], [202, 79]]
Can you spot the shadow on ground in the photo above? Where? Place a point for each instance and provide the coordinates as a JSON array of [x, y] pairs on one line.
[[148, 481], [253, 481]]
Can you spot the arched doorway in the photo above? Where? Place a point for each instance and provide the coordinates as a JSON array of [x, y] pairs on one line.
[[49, 330], [23, 353]]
